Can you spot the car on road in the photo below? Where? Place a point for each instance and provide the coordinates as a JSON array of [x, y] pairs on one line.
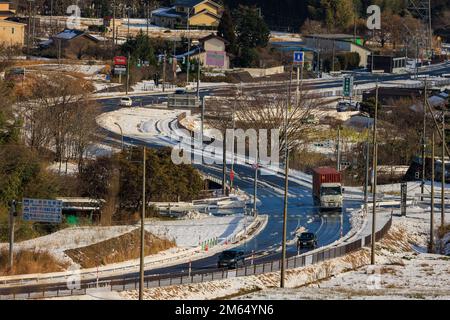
[[180, 91], [126, 102], [231, 259], [344, 106], [307, 240]]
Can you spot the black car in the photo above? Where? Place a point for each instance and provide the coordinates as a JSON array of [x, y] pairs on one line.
[[307, 240], [231, 259]]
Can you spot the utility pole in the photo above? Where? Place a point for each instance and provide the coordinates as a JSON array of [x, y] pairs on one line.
[[128, 73], [128, 13], [417, 58], [443, 173], [339, 150], [203, 121], [29, 29], [142, 255], [424, 120], [334, 53], [232, 151], [224, 164], [12, 214], [366, 184], [164, 71], [114, 26], [374, 187], [286, 183], [189, 47], [198, 79], [255, 189], [431, 246]]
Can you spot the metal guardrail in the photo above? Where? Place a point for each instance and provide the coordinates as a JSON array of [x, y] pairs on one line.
[[153, 281]]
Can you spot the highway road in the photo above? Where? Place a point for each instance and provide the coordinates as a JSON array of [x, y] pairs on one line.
[[266, 245]]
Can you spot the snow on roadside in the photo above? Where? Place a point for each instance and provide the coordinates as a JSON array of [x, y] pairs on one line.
[[186, 233], [401, 272], [70, 238]]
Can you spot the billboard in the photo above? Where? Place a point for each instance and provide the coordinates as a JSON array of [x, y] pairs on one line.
[[215, 59], [120, 61], [42, 210]]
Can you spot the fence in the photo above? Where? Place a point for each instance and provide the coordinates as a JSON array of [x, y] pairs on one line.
[[153, 281]]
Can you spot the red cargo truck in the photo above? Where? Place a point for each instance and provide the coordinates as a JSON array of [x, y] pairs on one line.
[[327, 188]]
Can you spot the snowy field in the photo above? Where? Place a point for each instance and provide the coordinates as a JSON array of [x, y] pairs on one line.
[[186, 233], [401, 272]]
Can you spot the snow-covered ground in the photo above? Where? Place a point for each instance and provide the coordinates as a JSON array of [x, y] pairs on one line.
[[401, 272], [186, 233]]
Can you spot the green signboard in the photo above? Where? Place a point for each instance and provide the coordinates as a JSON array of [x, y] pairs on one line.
[[348, 86]]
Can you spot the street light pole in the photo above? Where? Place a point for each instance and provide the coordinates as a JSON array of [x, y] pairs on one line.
[[142, 254], [121, 133], [374, 187]]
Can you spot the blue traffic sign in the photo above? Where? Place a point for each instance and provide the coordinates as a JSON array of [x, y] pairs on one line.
[[42, 210], [299, 57]]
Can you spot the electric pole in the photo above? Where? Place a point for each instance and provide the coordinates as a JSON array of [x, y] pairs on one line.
[[286, 183], [374, 187], [431, 247], [443, 173], [142, 255], [339, 150], [424, 120], [189, 47], [366, 184], [128, 73], [12, 214]]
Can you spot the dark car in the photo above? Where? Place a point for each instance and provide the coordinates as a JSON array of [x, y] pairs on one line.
[[307, 240], [231, 259]]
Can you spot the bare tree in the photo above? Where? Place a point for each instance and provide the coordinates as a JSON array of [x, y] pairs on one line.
[[60, 116], [267, 111]]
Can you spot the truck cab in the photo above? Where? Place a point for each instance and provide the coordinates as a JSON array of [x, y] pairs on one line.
[[331, 196]]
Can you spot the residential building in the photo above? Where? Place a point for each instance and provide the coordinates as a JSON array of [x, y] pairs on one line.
[[12, 33], [198, 13], [211, 52], [71, 44], [327, 43], [6, 10], [387, 64]]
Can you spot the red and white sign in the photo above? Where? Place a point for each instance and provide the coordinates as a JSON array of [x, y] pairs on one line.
[[120, 61], [232, 175]]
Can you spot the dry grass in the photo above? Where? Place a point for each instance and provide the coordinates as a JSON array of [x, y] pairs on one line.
[[30, 262], [119, 249]]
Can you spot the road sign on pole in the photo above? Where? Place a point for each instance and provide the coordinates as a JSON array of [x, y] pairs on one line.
[[42, 210], [299, 57], [348, 86]]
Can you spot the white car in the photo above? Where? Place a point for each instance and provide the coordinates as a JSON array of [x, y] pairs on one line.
[[126, 102]]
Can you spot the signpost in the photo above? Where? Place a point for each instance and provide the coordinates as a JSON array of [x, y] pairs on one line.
[[299, 60], [403, 195], [348, 87], [120, 66], [41, 210]]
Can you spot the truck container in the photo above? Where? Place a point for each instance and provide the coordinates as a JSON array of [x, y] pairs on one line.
[[327, 188]]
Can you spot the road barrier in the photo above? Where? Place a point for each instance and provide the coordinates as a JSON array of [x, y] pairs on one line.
[[153, 281]]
